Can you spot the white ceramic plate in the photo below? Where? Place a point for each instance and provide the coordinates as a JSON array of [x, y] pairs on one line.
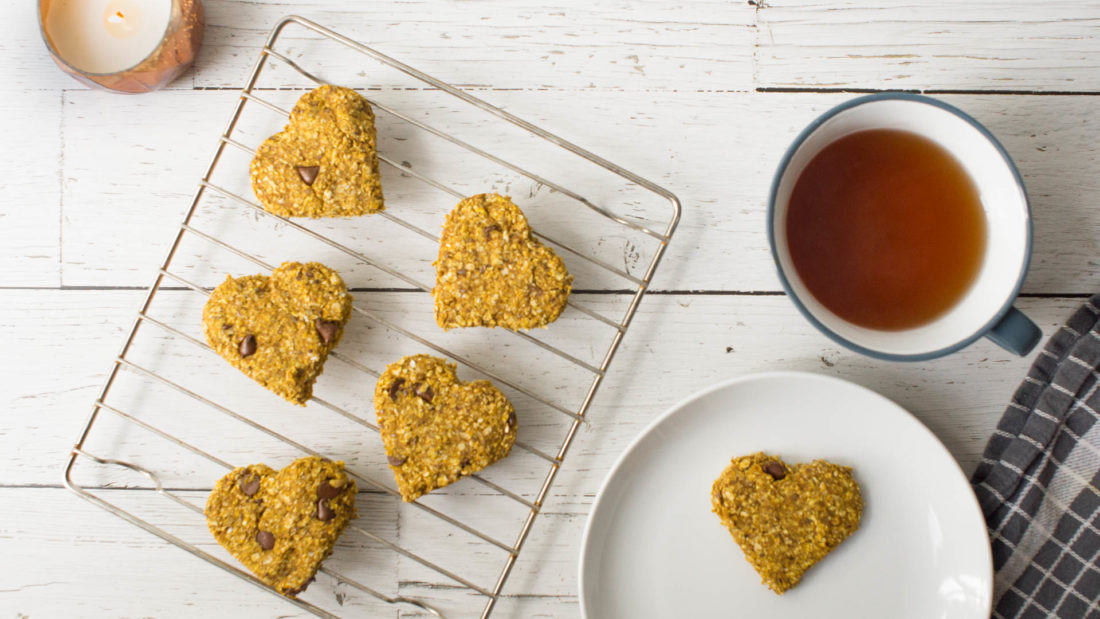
[[653, 548]]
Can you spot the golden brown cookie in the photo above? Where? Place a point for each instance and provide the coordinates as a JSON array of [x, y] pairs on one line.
[[279, 329], [491, 271], [786, 518], [282, 524], [437, 429], [325, 162]]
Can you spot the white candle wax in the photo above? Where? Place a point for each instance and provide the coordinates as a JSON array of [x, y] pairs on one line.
[[106, 36]]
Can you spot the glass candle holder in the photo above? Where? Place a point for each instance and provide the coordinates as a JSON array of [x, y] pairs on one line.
[[129, 46]]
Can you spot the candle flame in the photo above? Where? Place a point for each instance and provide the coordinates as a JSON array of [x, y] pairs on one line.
[[122, 18]]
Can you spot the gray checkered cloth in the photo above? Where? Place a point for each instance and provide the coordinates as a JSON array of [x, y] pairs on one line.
[[1039, 481]]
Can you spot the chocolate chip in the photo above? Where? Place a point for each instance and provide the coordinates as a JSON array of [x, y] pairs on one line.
[[512, 418], [425, 393], [226, 327], [324, 512], [465, 463], [249, 485], [395, 387], [776, 470], [308, 173], [248, 345], [326, 490], [461, 272], [326, 329], [489, 230], [265, 540], [396, 460], [534, 290]]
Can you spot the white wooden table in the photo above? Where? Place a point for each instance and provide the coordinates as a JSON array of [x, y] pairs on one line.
[[702, 97]]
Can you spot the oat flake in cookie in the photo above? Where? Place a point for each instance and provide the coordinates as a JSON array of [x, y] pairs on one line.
[[282, 524], [279, 329], [492, 272], [325, 162], [786, 517], [437, 429]]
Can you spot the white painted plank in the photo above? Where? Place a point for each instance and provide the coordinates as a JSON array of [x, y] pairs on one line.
[[930, 44], [103, 566], [716, 151], [926, 44], [597, 45], [961, 405], [30, 191], [677, 346], [657, 46], [156, 148], [959, 397]]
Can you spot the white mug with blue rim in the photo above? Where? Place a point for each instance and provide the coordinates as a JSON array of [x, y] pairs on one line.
[[986, 309]]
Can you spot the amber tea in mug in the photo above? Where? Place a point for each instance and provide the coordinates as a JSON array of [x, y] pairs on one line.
[[900, 228], [886, 229]]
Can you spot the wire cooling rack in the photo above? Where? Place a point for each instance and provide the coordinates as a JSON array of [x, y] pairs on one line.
[[130, 416]]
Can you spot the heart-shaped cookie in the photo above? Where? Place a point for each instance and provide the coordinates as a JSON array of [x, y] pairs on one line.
[[786, 518], [437, 429], [325, 162], [491, 271], [282, 524], [279, 329]]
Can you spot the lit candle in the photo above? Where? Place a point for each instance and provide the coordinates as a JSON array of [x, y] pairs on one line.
[[124, 45]]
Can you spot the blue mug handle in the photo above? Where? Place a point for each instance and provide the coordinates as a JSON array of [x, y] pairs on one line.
[[1015, 332]]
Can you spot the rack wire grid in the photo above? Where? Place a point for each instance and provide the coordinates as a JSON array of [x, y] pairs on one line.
[[153, 424]]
